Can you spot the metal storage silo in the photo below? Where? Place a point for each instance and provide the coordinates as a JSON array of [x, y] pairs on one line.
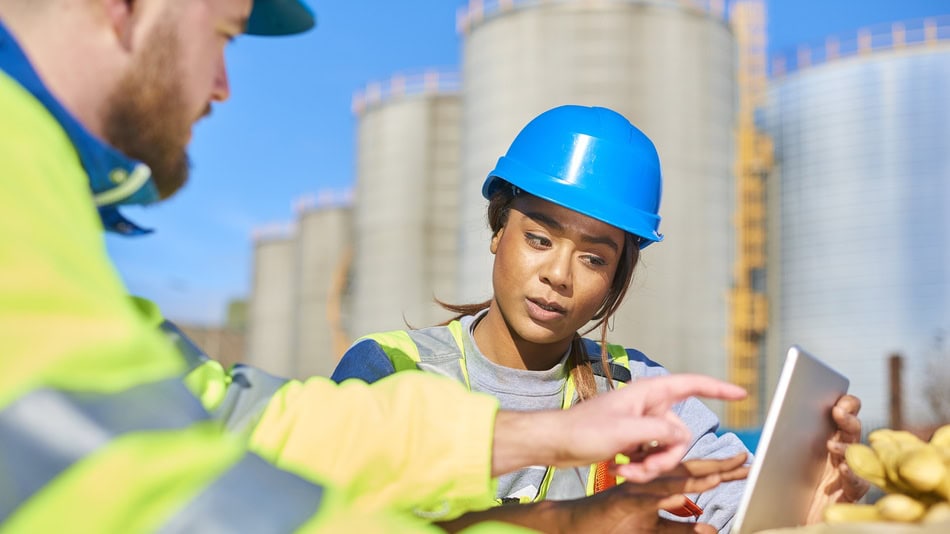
[[405, 205], [322, 255], [863, 230], [271, 309], [668, 66]]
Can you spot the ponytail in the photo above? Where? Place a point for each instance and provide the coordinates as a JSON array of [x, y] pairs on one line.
[[580, 369]]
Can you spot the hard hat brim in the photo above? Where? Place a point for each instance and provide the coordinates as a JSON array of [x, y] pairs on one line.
[[279, 17], [637, 222]]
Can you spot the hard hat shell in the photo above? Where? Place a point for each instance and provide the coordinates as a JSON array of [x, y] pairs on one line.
[[590, 160], [279, 17]]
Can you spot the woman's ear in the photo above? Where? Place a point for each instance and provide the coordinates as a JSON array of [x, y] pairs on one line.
[[122, 20], [495, 239]]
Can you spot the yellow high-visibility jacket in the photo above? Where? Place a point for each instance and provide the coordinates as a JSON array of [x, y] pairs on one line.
[[98, 431]]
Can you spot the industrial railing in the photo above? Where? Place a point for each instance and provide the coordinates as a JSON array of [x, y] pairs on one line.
[[322, 199], [906, 34], [427, 82], [274, 231], [475, 11]]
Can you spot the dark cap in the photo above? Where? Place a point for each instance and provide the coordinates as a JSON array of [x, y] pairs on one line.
[[279, 17]]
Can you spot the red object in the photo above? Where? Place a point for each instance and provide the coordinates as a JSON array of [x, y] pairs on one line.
[[603, 479], [689, 509]]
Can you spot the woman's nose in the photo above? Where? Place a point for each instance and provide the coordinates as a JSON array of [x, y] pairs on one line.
[[556, 272]]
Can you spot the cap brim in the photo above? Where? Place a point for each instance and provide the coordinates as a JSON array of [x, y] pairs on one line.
[[279, 17]]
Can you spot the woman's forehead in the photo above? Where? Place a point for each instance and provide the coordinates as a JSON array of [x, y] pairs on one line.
[[537, 208]]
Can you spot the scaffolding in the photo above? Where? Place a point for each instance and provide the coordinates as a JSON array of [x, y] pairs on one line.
[[930, 31], [340, 340], [747, 299]]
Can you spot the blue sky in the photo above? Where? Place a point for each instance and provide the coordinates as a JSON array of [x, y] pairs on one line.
[[288, 131]]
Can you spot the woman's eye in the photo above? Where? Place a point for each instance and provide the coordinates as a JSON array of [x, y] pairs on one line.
[[596, 260], [537, 240]]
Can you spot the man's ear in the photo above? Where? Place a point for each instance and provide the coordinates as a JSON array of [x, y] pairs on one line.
[[495, 239], [121, 15]]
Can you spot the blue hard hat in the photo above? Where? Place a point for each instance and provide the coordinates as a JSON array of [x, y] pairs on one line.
[[590, 160], [279, 17]]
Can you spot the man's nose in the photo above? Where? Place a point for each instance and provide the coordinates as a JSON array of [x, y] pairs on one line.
[[221, 89]]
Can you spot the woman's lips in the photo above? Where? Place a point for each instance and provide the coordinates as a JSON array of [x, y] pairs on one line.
[[544, 311]]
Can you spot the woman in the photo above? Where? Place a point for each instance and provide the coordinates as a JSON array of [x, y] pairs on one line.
[[571, 205]]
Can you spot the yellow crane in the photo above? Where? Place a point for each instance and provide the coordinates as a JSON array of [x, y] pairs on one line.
[[747, 298]]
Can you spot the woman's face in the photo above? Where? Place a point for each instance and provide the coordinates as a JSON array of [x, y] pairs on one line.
[[553, 269]]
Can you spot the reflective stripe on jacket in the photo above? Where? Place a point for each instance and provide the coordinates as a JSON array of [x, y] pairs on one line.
[[270, 412]]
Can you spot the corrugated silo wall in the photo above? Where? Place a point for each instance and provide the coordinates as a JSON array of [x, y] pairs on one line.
[[670, 69], [271, 309], [864, 242], [405, 212], [322, 243]]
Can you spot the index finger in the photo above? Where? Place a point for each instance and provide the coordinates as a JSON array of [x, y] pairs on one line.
[[674, 388]]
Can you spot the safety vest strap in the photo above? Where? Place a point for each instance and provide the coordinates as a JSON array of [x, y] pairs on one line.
[[565, 483], [248, 390], [399, 348], [252, 496], [193, 355], [598, 478], [405, 353], [619, 363], [455, 328], [247, 396], [46, 431]]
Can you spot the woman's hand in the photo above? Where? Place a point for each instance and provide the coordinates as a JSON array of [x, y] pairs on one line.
[[627, 507], [631, 507], [838, 482]]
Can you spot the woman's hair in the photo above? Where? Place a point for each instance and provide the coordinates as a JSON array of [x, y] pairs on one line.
[[579, 364]]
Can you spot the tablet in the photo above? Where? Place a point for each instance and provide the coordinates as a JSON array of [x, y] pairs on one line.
[[792, 450]]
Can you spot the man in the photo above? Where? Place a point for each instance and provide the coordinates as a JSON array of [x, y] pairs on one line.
[[100, 427]]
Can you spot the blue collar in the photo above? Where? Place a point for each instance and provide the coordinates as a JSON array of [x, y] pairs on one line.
[[115, 179]]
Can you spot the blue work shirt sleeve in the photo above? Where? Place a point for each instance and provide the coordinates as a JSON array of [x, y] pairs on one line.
[[365, 361], [721, 503]]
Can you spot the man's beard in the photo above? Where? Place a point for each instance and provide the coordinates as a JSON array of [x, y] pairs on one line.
[[146, 116]]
